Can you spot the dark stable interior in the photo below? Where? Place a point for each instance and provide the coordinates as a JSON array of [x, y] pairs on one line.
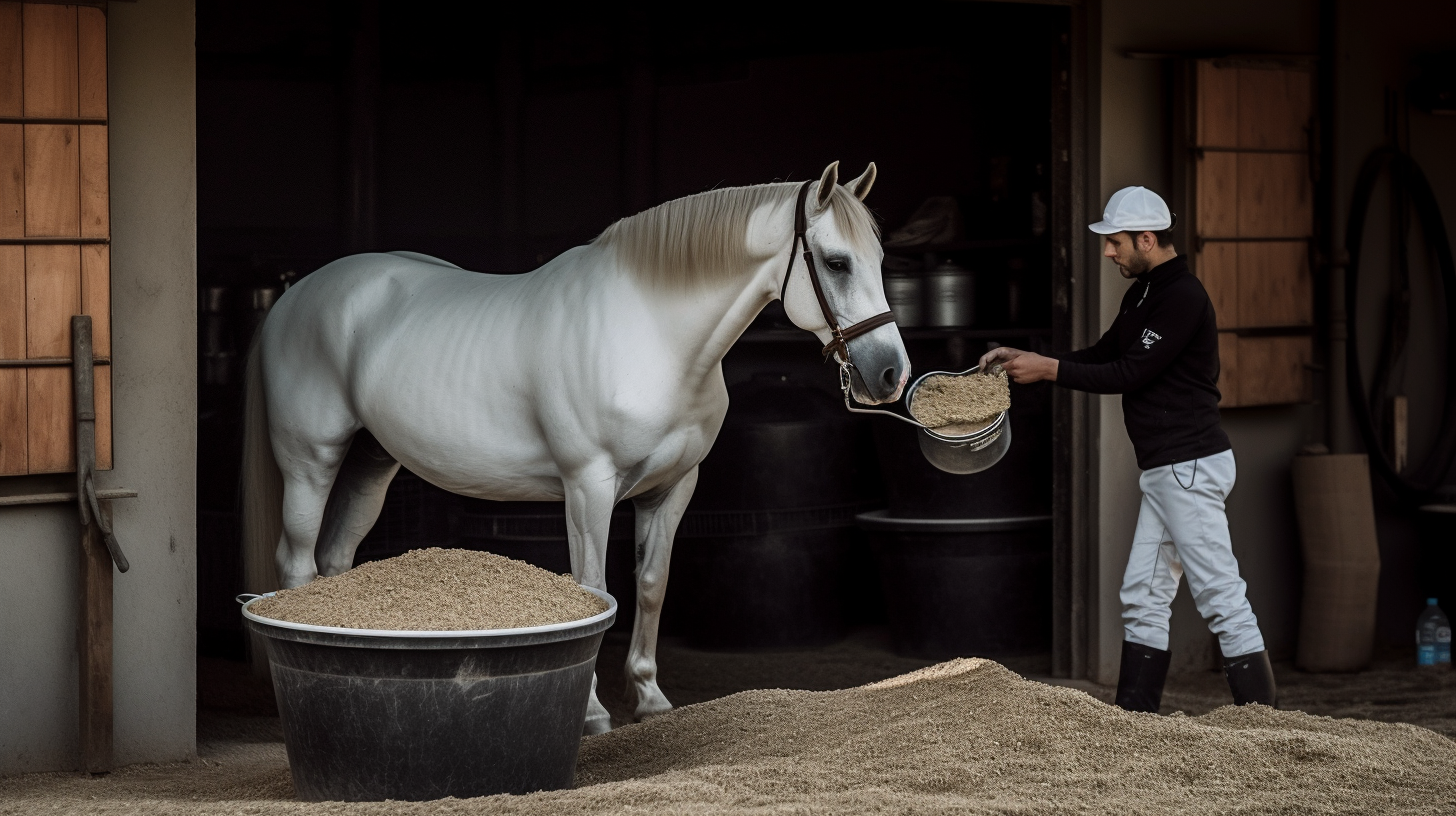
[[497, 140]]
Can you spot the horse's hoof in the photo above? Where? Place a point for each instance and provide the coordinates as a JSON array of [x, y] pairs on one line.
[[648, 712], [599, 724]]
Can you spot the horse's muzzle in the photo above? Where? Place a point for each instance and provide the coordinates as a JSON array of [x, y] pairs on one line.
[[881, 367]]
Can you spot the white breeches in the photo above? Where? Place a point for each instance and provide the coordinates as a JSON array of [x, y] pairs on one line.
[[1182, 528]]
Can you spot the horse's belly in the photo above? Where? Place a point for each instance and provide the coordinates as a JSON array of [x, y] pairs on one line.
[[498, 489], [499, 460], [487, 477]]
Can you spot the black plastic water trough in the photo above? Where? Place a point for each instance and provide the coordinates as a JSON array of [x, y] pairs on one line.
[[371, 714]]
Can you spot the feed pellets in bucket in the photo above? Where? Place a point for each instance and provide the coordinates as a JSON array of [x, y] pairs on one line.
[[963, 418], [436, 589], [436, 673], [954, 405]]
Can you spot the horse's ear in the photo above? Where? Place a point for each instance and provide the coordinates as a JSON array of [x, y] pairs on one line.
[[861, 186], [826, 184]]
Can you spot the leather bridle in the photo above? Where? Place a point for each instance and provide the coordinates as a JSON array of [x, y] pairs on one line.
[[839, 345]]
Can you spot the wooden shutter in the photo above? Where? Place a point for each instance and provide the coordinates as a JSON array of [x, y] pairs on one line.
[[55, 229], [1247, 198]]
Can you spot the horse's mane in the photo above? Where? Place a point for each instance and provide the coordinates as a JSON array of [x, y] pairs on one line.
[[694, 241]]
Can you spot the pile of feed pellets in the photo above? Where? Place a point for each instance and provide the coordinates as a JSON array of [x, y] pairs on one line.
[[964, 737], [957, 405], [436, 589]]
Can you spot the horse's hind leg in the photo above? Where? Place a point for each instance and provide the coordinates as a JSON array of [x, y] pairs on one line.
[[354, 502], [306, 482], [657, 519]]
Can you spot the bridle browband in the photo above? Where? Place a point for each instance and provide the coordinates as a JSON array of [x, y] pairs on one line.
[[839, 345]]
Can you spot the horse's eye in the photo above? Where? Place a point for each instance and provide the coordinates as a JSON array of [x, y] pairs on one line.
[[836, 265]]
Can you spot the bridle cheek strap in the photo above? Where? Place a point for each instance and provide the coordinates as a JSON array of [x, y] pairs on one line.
[[839, 345]]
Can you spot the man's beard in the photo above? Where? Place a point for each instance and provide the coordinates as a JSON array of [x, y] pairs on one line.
[[1138, 264]]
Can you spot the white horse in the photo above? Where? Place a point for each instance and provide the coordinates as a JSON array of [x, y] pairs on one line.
[[595, 378]]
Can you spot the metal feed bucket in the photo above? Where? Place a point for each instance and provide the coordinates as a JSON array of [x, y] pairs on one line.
[[967, 453], [370, 715], [960, 454]]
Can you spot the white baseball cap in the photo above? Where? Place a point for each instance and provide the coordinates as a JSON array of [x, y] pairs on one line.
[[1133, 209]]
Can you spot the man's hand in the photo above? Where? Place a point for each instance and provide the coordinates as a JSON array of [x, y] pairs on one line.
[[1022, 366]]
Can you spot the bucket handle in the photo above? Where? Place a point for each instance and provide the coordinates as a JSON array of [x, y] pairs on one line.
[[245, 597], [849, 404]]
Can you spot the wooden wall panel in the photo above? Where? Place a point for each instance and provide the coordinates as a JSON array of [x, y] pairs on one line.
[[53, 184], [1275, 198], [91, 48], [12, 181], [1217, 115], [52, 296], [13, 460], [95, 183], [1251, 188], [1275, 108], [52, 180], [103, 417], [12, 303], [1228, 369], [1275, 287], [1217, 266], [50, 60], [51, 443], [96, 295], [1273, 370], [1218, 188], [11, 93]]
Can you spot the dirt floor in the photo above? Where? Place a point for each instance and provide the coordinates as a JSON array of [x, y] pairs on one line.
[[977, 740]]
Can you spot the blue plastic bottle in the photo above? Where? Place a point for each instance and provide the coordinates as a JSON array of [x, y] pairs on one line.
[[1433, 637]]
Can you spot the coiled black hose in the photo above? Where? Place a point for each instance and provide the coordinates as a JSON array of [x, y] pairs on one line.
[[1406, 179]]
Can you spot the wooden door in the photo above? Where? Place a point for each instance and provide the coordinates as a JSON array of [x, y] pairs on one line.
[[1247, 188], [55, 229]]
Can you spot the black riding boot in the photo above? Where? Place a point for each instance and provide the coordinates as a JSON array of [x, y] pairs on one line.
[[1251, 678], [1140, 682]]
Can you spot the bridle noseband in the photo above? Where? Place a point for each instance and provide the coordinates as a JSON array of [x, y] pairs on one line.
[[839, 345]]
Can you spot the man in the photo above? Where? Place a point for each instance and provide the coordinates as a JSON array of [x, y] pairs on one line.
[[1161, 354]]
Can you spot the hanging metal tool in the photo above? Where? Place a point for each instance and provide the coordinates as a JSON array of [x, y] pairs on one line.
[[84, 381]]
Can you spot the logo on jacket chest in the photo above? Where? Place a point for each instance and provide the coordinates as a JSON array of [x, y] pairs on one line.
[[1150, 337]]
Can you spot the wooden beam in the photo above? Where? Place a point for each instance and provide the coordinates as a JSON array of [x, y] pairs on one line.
[[95, 647], [64, 498], [97, 554]]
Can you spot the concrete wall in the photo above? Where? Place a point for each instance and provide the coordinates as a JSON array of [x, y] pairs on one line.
[[153, 262], [1135, 150]]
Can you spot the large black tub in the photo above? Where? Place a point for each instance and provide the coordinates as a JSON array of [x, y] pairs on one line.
[[767, 550], [782, 588], [370, 715], [965, 587]]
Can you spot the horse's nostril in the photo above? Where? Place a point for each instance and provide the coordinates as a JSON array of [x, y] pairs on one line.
[[890, 378]]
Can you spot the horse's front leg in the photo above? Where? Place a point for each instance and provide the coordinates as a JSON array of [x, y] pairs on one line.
[[590, 498], [657, 519]]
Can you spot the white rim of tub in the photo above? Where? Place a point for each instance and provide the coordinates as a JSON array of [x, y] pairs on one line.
[[428, 633]]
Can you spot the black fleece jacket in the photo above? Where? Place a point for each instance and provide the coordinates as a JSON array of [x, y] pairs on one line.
[[1161, 354]]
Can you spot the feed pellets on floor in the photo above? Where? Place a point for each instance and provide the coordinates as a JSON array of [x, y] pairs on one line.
[[965, 737], [958, 405], [436, 590]]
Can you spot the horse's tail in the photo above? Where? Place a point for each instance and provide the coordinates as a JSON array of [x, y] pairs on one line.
[[262, 484]]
